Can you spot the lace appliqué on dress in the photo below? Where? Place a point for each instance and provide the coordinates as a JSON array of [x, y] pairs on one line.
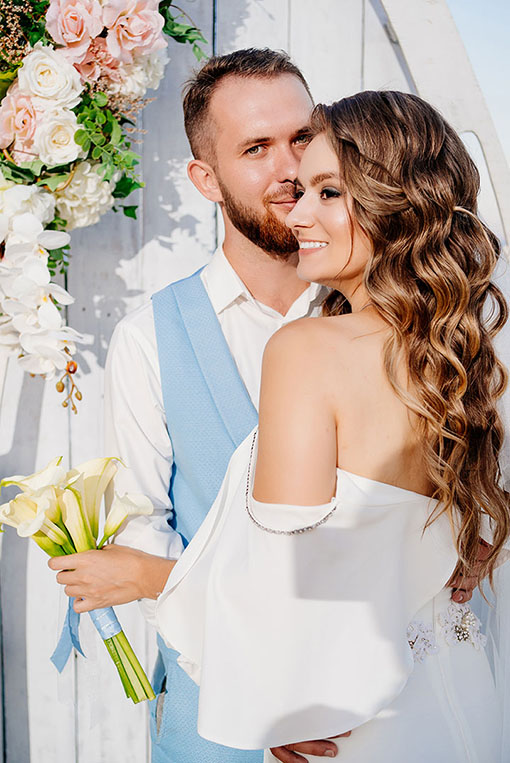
[[421, 639], [459, 624]]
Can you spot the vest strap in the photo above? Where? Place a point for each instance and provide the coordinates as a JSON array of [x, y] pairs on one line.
[[214, 358]]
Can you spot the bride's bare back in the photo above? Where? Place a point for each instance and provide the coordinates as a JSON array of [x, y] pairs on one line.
[[326, 402]]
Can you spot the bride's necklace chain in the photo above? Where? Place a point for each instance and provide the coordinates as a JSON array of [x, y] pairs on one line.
[[255, 521]]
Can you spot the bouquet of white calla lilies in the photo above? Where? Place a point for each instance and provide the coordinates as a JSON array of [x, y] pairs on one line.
[[61, 512]]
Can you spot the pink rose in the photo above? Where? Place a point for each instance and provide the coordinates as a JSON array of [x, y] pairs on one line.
[[17, 118], [74, 23], [134, 27], [99, 62]]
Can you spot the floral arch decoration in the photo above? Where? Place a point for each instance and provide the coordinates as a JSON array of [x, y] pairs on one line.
[[73, 76]]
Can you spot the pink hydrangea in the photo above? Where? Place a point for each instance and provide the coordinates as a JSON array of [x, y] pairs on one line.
[[73, 24], [18, 119], [134, 28]]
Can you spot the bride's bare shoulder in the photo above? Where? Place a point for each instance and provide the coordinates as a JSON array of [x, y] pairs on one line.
[[309, 340]]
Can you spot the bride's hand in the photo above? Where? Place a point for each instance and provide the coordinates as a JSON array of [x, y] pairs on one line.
[[323, 748], [464, 585]]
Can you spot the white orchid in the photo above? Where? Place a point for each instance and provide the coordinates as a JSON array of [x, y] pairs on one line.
[[31, 324]]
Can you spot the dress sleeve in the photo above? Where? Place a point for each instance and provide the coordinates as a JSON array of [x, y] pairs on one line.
[[294, 620], [135, 431]]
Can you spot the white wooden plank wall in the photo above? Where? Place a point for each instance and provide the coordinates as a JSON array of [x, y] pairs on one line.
[[82, 716]]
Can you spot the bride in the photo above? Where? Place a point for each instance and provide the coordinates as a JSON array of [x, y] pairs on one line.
[[312, 601]]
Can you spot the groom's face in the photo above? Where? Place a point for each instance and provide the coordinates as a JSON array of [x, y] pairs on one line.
[[261, 130]]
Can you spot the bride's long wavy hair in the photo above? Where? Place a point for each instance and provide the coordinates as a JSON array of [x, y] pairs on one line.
[[414, 194]]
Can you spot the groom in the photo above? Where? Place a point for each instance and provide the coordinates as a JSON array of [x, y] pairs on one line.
[[183, 371]]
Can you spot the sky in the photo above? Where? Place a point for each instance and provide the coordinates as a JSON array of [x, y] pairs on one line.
[[485, 29]]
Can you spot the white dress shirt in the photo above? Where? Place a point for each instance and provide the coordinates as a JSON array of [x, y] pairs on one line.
[[135, 422]]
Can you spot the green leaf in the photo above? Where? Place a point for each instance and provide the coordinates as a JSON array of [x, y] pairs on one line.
[[101, 99], [98, 139], [58, 259], [58, 223], [34, 166], [198, 52], [7, 78], [80, 137], [129, 159], [17, 174], [129, 210], [125, 186], [100, 118], [52, 181], [96, 152], [116, 135]]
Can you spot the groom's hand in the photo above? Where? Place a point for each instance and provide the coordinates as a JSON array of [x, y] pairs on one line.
[[113, 575], [323, 748]]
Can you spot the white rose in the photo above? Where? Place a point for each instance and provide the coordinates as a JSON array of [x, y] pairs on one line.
[[144, 73], [54, 138], [86, 198], [49, 79]]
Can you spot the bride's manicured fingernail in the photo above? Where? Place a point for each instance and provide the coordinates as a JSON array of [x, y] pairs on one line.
[[330, 754]]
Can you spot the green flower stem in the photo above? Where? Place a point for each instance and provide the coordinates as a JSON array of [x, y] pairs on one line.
[[136, 684], [47, 545], [110, 645]]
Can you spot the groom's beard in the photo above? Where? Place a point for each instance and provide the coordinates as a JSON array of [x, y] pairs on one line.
[[264, 230]]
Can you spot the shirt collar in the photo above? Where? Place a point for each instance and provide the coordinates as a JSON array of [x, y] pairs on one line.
[[224, 287], [223, 284]]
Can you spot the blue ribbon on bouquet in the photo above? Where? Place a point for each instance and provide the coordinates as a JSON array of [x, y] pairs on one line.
[[105, 621]]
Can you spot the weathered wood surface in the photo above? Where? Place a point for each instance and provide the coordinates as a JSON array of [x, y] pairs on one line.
[[342, 46]]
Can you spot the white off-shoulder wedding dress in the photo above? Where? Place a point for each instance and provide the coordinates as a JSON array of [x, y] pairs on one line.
[[306, 622]]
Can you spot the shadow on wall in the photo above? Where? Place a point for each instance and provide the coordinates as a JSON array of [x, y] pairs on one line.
[[13, 579]]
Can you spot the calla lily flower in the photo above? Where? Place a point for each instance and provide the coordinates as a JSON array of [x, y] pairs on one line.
[[31, 515], [20, 509], [121, 508], [97, 475], [76, 520], [53, 473]]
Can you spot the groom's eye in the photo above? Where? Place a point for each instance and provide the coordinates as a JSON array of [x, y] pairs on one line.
[[302, 140], [254, 150]]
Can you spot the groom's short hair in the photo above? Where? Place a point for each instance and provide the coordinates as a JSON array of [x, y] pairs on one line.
[[198, 91]]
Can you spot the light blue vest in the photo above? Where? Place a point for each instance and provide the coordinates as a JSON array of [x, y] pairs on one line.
[[209, 413]]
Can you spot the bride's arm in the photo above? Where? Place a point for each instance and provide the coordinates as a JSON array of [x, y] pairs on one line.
[[297, 447]]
